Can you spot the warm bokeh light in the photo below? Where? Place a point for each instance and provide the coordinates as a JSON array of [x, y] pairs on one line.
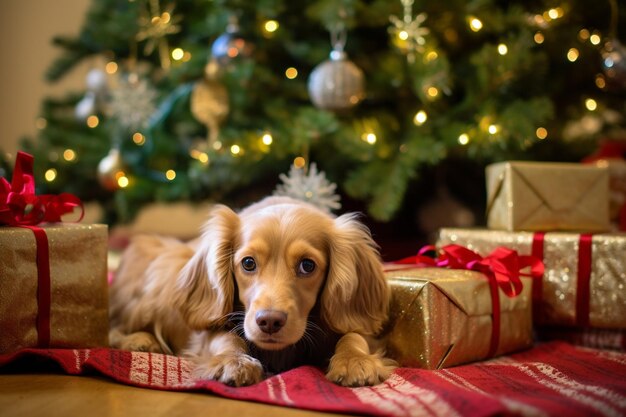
[[50, 175], [93, 121], [299, 162], [235, 149], [291, 73], [122, 181], [178, 54], [139, 139], [69, 155], [111, 67], [267, 139], [503, 49], [591, 104], [475, 24], [493, 129], [463, 139], [420, 118], [170, 174], [572, 54], [271, 26], [432, 92], [541, 133], [539, 38]]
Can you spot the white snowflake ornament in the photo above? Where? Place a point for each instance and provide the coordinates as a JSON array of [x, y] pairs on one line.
[[133, 102], [311, 187]]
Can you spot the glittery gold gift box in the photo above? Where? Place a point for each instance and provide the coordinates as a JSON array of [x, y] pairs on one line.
[[560, 284], [78, 286], [547, 196], [443, 317]]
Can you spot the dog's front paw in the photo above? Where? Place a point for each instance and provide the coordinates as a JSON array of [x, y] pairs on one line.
[[231, 369], [140, 342], [359, 370]]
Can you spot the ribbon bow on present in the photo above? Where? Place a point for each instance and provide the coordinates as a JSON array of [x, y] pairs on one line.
[[20, 206], [502, 268]]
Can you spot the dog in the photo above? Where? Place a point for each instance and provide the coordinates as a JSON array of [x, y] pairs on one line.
[[278, 285]]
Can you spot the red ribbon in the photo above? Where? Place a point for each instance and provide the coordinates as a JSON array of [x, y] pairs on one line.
[[501, 268], [21, 207]]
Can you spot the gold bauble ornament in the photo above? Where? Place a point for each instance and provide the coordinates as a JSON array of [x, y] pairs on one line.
[[337, 83], [210, 105], [110, 169]]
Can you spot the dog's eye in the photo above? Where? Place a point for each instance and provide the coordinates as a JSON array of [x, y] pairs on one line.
[[306, 266], [248, 263]]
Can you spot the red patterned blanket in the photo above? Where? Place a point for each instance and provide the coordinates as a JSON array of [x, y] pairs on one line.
[[553, 378]]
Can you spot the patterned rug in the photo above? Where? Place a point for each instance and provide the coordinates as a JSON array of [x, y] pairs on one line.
[[552, 379]]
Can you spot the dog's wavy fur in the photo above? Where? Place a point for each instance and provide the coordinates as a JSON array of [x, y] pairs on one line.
[[197, 299]]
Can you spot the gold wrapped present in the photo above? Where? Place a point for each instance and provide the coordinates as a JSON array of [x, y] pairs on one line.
[[585, 275], [547, 196], [71, 308], [443, 317]]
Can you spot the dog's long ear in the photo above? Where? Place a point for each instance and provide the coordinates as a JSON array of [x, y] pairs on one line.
[[356, 294], [205, 287]]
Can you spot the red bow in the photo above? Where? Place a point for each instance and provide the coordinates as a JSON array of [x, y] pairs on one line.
[[20, 206], [501, 267]]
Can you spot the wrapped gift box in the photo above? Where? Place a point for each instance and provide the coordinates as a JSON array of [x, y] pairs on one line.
[[585, 275], [547, 196], [443, 317], [78, 291]]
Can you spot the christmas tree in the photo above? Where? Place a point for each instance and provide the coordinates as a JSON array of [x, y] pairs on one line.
[[213, 100]]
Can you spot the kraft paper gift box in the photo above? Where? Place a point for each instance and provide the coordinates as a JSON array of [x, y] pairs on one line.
[[75, 314], [547, 196], [584, 283], [443, 317]]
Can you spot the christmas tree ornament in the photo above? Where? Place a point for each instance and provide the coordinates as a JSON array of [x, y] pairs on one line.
[[133, 102], [311, 187], [154, 27], [94, 100], [210, 104], [408, 33], [230, 45], [337, 83], [110, 169], [614, 62]]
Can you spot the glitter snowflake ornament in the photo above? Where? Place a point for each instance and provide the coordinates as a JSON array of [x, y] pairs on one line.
[[408, 32], [133, 102], [311, 187]]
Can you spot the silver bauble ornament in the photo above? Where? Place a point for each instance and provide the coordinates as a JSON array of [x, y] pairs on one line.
[[110, 168], [86, 106], [337, 83], [614, 62]]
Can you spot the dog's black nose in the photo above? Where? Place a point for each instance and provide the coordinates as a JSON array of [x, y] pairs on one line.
[[270, 321]]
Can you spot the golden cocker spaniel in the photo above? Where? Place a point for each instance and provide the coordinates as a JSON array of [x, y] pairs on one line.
[[277, 285]]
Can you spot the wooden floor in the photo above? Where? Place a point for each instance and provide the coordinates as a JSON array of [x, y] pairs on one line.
[[52, 395]]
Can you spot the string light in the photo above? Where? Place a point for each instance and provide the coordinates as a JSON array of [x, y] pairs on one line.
[[583, 34], [178, 54], [93, 121], [591, 104], [431, 56], [502, 49], [111, 67], [572, 54], [463, 139], [170, 174], [122, 180], [267, 139], [475, 24], [539, 38], [69, 155], [595, 39], [432, 92], [139, 139], [50, 175], [369, 137], [235, 149], [541, 133], [299, 162], [600, 81], [203, 157], [217, 145], [291, 73], [420, 117], [493, 129], [270, 26]]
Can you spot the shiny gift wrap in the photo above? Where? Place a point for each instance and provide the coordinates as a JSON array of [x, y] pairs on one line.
[[547, 196], [559, 287], [443, 317], [78, 292]]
